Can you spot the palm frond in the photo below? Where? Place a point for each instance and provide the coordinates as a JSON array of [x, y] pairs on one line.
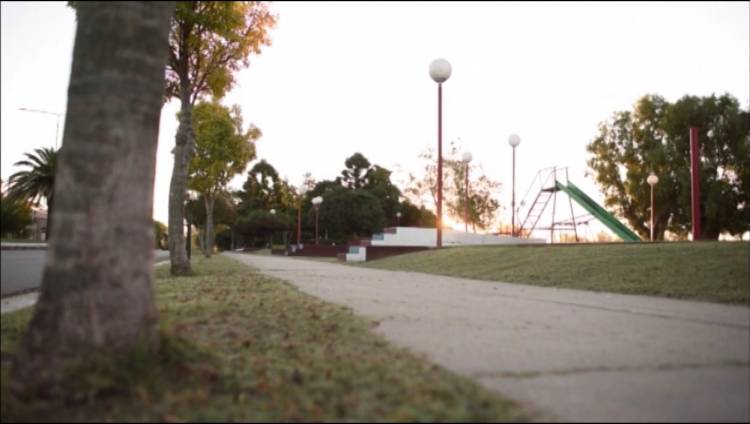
[[38, 180]]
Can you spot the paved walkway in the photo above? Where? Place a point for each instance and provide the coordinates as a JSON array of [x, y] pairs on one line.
[[569, 355]]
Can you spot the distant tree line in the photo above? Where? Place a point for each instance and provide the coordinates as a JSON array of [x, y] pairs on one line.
[[358, 203]]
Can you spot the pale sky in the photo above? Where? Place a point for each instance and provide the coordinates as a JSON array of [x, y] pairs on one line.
[[341, 78]]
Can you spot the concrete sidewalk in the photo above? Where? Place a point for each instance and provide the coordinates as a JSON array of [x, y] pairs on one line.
[[569, 355]]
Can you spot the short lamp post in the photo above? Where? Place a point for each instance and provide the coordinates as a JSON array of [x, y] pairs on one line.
[[316, 201], [398, 219], [299, 216], [652, 180], [466, 160], [514, 140], [440, 71]]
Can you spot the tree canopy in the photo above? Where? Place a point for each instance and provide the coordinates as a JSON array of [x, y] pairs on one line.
[[37, 181], [482, 190], [259, 225], [223, 149], [225, 211], [654, 137], [356, 171], [209, 41], [15, 216], [265, 189], [347, 213]]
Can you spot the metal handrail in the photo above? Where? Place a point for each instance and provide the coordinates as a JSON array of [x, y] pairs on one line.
[[540, 182]]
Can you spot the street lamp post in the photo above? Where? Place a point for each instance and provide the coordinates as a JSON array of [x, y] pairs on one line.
[[270, 243], [514, 140], [466, 159], [652, 180], [316, 201], [398, 219], [440, 71], [57, 122]]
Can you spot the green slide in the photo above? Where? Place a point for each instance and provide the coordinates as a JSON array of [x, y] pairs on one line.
[[598, 212]]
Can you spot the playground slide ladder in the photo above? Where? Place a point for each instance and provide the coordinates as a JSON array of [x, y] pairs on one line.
[[536, 209], [597, 211]]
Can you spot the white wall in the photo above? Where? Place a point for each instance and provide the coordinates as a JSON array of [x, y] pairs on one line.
[[412, 236]]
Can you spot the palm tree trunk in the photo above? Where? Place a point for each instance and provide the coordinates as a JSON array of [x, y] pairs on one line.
[[96, 295]]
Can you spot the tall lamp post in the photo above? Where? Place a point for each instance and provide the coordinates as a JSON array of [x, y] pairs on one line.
[[466, 159], [652, 180], [398, 219], [316, 201], [440, 71], [514, 140], [57, 123]]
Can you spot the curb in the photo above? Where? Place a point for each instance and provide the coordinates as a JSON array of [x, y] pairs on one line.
[[17, 302], [23, 246], [19, 293], [22, 299]]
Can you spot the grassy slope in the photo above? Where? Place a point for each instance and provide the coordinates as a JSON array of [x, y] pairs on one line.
[[238, 346], [706, 271]]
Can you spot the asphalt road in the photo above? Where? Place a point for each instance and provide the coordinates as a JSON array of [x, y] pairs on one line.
[[22, 268], [566, 355]]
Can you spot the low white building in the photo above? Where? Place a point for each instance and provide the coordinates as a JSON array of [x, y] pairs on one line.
[[413, 236]]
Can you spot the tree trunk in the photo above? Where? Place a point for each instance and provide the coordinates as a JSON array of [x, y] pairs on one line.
[[96, 295], [202, 239], [50, 208], [209, 201], [183, 151]]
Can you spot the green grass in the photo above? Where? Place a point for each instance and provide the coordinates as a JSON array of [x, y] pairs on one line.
[[239, 346], [707, 271]]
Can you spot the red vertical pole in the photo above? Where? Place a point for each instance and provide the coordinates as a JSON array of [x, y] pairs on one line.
[[513, 201], [466, 201], [317, 241], [440, 169], [652, 212], [695, 182]]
